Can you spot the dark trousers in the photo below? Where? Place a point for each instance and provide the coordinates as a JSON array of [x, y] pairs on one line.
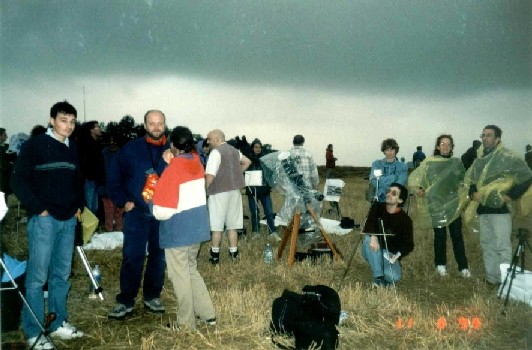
[[440, 244], [140, 229]]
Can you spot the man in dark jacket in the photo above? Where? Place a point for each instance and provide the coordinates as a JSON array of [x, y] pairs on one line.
[[127, 176], [384, 252], [47, 181]]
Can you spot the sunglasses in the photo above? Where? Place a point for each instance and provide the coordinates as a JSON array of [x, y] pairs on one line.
[[393, 192]]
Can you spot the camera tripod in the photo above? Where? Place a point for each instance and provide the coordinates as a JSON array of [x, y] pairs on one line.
[[519, 256], [292, 230], [49, 318], [78, 242]]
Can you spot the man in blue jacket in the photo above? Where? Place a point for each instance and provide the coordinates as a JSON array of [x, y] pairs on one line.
[[47, 181], [125, 182]]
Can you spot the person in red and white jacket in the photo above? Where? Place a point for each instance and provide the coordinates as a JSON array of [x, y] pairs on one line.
[[179, 202]]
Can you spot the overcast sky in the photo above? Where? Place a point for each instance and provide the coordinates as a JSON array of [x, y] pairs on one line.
[[349, 73]]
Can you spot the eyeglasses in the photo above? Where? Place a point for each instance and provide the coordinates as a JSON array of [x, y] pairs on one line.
[[394, 193], [486, 135]]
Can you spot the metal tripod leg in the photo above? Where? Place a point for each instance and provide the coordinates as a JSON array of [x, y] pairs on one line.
[[97, 288], [44, 330]]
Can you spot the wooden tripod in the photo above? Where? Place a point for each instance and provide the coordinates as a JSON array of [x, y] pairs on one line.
[[292, 230]]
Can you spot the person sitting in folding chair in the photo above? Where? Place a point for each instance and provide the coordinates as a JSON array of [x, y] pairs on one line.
[[388, 237]]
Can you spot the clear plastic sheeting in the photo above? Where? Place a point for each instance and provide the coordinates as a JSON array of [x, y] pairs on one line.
[[442, 180], [494, 175], [280, 172]]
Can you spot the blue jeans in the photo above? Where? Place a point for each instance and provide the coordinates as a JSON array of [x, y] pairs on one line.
[[440, 244], [91, 196], [50, 247], [140, 229], [380, 266], [268, 212]]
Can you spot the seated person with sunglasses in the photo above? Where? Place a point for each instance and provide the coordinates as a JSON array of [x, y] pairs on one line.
[[383, 253]]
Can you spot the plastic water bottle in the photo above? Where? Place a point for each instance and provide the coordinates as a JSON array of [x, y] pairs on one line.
[[268, 254], [343, 317], [97, 274]]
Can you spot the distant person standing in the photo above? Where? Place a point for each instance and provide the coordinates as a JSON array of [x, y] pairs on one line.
[[471, 154], [127, 177], [223, 179], [389, 169], [47, 180], [528, 156], [113, 214], [305, 167], [260, 193], [91, 162], [418, 156], [496, 179], [330, 161], [5, 168], [438, 180]]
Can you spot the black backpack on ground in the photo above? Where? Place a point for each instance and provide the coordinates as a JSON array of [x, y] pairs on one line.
[[311, 317]]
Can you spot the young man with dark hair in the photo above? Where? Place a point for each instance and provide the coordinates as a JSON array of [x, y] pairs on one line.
[[496, 179], [48, 182], [384, 253]]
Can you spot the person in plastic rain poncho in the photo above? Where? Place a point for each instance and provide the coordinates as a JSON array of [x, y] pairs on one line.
[[495, 180], [438, 182]]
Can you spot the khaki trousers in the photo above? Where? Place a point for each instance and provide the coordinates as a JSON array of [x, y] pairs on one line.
[[191, 292]]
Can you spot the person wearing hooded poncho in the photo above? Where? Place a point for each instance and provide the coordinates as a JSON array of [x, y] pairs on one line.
[[438, 182], [496, 179]]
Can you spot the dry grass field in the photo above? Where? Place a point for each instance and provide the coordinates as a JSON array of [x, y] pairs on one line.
[[243, 294]]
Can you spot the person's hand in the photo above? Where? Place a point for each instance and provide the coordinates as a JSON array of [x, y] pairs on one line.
[[44, 213], [506, 198], [167, 156], [374, 243], [420, 192], [476, 196], [129, 206], [78, 215]]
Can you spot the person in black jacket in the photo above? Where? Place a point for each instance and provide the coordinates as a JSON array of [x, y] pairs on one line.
[[383, 253], [47, 181], [260, 194]]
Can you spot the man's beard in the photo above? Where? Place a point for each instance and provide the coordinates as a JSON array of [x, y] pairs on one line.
[[153, 137]]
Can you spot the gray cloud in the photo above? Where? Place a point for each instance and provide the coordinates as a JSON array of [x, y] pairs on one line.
[[418, 46]]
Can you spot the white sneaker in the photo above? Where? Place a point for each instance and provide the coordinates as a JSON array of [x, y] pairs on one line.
[[465, 273], [67, 332], [441, 270], [42, 344], [275, 237]]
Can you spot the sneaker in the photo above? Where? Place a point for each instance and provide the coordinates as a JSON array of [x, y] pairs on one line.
[[119, 312], [255, 235], [465, 273], [154, 305], [234, 256], [42, 344], [210, 321], [275, 237], [215, 258], [441, 270], [67, 332], [378, 282]]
